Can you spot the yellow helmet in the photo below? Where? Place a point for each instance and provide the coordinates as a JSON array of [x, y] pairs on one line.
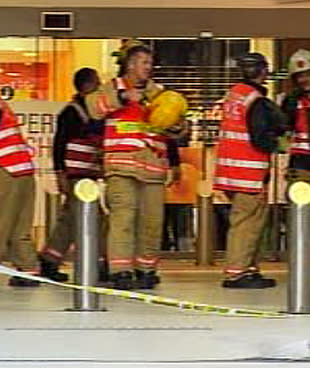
[[299, 62], [166, 109]]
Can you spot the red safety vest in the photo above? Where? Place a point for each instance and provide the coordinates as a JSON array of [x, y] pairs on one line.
[[125, 129], [15, 156], [82, 154], [300, 142], [240, 166]]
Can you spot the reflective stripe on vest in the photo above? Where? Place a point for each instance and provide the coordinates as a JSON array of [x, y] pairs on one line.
[[124, 141], [239, 183], [243, 163], [135, 163], [8, 132], [20, 168], [14, 149], [301, 146], [81, 165], [235, 135], [15, 154], [81, 148]]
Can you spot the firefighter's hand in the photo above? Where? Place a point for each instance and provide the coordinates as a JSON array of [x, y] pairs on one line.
[[134, 95], [176, 174], [62, 182]]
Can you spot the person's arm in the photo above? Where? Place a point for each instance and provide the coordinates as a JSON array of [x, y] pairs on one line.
[[266, 122], [67, 126], [289, 107]]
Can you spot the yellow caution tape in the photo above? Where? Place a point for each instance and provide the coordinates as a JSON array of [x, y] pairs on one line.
[[153, 299]]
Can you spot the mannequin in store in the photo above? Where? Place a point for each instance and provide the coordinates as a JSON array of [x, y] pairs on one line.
[[76, 154], [249, 134], [135, 168], [296, 105]]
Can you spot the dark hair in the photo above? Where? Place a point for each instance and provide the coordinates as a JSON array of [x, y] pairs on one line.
[[83, 76], [252, 64], [133, 51]]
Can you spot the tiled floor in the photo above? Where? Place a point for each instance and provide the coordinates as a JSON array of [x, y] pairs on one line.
[[35, 331]]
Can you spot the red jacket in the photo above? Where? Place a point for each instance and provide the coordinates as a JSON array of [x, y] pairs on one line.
[[240, 166], [15, 154], [300, 141]]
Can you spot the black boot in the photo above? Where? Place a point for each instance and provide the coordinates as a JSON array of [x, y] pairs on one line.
[[103, 275], [50, 271], [146, 280], [21, 282], [249, 281], [122, 280], [103, 270]]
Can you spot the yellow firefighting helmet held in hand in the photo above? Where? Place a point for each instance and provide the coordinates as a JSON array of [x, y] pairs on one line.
[[299, 62], [167, 109]]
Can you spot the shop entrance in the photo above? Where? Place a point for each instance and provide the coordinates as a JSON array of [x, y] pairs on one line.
[[39, 71]]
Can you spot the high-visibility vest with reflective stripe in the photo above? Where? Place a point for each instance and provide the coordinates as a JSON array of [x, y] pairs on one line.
[[240, 166], [82, 157], [126, 130], [82, 154], [300, 142], [15, 154]]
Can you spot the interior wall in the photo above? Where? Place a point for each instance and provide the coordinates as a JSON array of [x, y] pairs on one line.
[[169, 22], [162, 4]]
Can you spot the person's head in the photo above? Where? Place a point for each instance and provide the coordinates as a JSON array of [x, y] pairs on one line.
[[138, 63], [254, 67], [86, 80], [299, 69]]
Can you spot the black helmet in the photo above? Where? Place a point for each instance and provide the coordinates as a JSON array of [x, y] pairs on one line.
[[252, 64]]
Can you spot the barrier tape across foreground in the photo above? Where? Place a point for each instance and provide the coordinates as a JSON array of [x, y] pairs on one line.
[[153, 299]]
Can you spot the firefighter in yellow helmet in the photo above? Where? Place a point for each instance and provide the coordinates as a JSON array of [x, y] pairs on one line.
[[135, 164], [297, 106]]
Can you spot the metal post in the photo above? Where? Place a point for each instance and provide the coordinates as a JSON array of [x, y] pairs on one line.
[[275, 212], [205, 207], [299, 249], [205, 233], [86, 258]]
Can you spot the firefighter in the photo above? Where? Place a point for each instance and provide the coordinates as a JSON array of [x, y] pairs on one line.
[[76, 156], [297, 106], [135, 168], [17, 190], [249, 134]]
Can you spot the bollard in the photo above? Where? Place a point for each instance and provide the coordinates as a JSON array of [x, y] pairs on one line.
[[205, 230], [86, 257], [299, 249]]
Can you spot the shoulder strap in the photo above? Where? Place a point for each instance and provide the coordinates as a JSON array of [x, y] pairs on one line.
[[83, 114]]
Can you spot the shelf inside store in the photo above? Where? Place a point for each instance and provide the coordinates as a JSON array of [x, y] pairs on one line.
[[200, 84]]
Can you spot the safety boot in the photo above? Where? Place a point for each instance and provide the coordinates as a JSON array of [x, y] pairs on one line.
[[249, 281], [146, 280], [121, 280], [21, 282], [50, 270]]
